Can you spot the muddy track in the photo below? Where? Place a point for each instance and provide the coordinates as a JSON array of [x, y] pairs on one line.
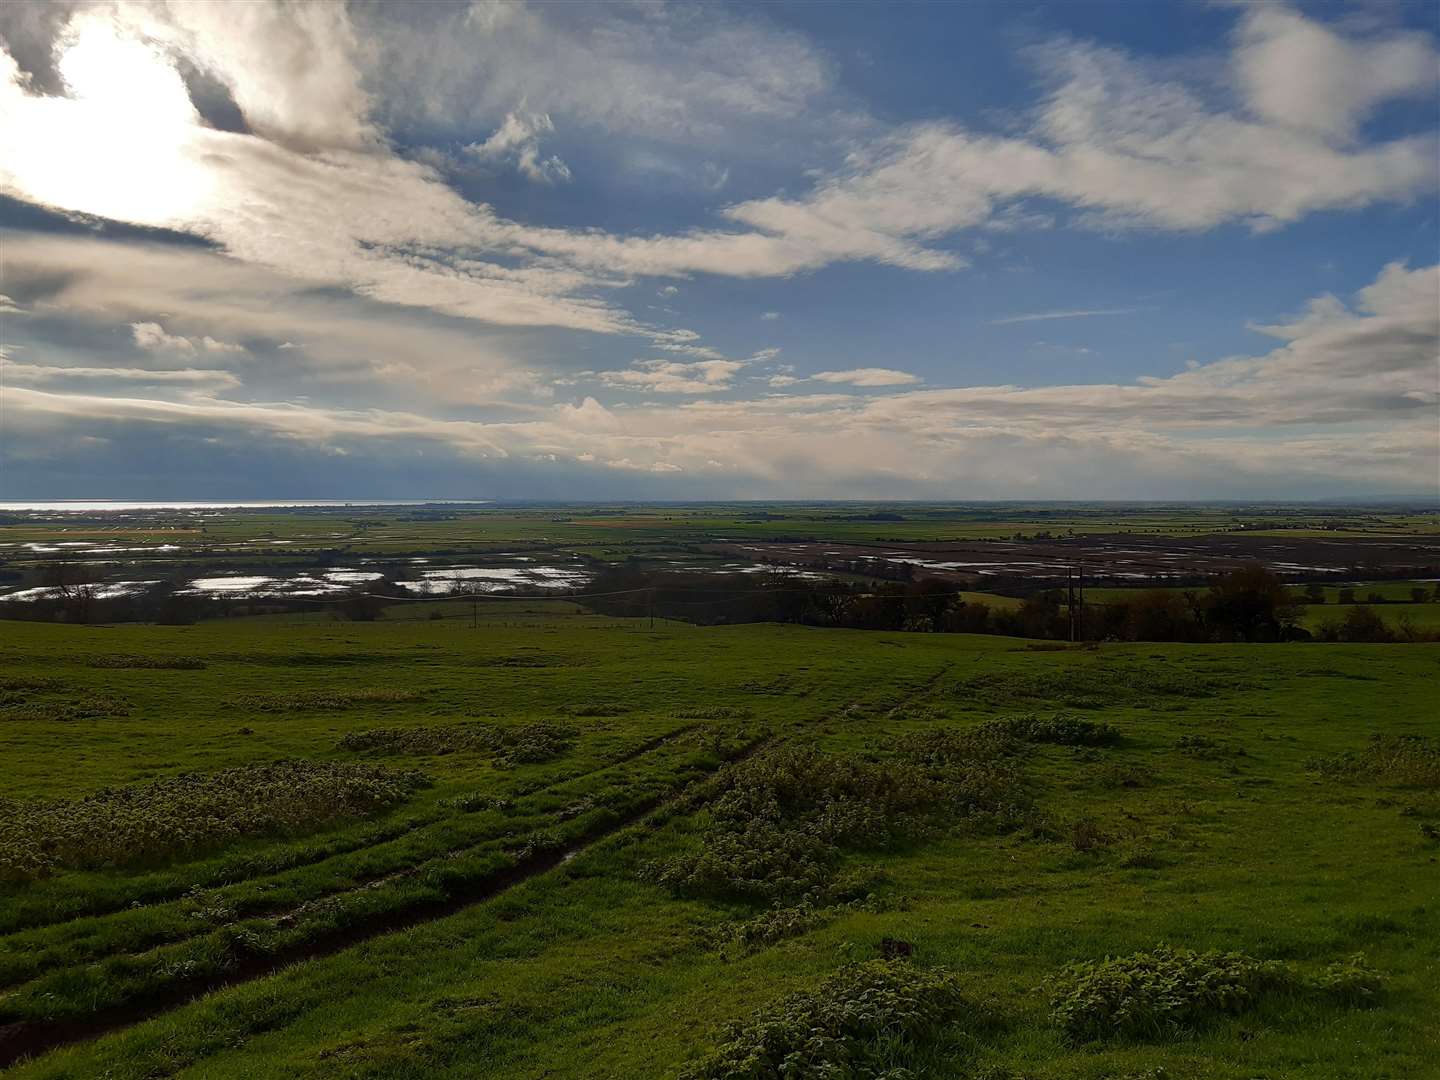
[[27, 1039], [173, 895]]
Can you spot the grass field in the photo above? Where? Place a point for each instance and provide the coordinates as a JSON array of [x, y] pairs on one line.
[[508, 919]]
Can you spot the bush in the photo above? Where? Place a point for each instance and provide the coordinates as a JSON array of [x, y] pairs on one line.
[[182, 814], [867, 1022], [1060, 729], [1166, 992], [80, 708], [784, 818], [1403, 760]]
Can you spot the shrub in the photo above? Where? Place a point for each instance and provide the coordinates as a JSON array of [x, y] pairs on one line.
[[1059, 729], [1163, 993], [783, 819], [1403, 760], [866, 1022], [1089, 686], [167, 818], [713, 712]]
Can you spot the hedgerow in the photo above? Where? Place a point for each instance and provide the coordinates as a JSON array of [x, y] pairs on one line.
[[167, 818], [1163, 993], [867, 1022]]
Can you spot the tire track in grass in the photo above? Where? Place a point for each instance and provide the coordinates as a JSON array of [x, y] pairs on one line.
[[25, 1039], [167, 936], [220, 879]]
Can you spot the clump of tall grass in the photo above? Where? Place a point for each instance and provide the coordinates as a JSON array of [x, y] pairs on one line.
[[318, 700], [521, 745], [1402, 760], [783, 819], [1089, 685], [1167, 992], [165, 819], [868, 1021], [76, 708], [124, 660], [1060, 729]]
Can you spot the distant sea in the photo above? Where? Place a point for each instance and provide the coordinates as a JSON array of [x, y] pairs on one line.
[[91, 506]]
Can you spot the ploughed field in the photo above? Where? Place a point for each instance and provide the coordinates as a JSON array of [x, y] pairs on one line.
[[573, 846]]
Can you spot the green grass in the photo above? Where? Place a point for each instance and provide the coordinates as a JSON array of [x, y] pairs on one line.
[[1122, 845]]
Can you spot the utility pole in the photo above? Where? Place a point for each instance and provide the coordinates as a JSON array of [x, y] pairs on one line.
[[1070, 599], [651, 596], [1081, 618]]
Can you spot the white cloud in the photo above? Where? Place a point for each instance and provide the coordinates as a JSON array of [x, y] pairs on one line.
[[203, 379], [671, 377], [770, 316], [518, 141], [1041, 316], [151, 335], [1299, 74], [1346, 401], [871, 376]]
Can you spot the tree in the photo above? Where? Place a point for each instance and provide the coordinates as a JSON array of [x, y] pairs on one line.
[[1361, 623], [1347, 596], [1314, 594], [1249, 603], [1418, 595]]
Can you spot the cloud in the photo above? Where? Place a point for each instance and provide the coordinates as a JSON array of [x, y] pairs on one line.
[[871, 376], [151, 335], [1346, 400], [1298, 74], [671, 377], [668, 290], [1040, 316], [203, 379], [770, 316], [518, 141]]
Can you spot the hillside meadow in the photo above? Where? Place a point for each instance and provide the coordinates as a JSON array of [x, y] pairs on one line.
[[566, 845]]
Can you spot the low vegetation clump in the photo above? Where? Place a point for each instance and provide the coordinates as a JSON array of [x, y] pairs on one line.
[[1403, 760], [1060, 729], [1091, 686], [166, 663], [316, 700], [785, 818], [867, 1022], [713, 712], [75, 708], [125, 826], [522, 745], [1167, 992]]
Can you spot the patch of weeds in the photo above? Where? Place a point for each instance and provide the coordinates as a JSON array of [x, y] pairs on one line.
[[79, 708], [475, 801], [1124, 776], [166, 663], [868, 1021], [1086, 834], [1168, 992], [595, 708], [783, 819], [142, 823], [1403, 760], [777, 686], [1090, 686], [522, 745], [524, 660], [1206, 748], [19, 683], [1059, 730], [319, 700], [713, 712]]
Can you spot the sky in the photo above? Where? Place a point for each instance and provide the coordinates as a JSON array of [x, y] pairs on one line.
[[984, 250]]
